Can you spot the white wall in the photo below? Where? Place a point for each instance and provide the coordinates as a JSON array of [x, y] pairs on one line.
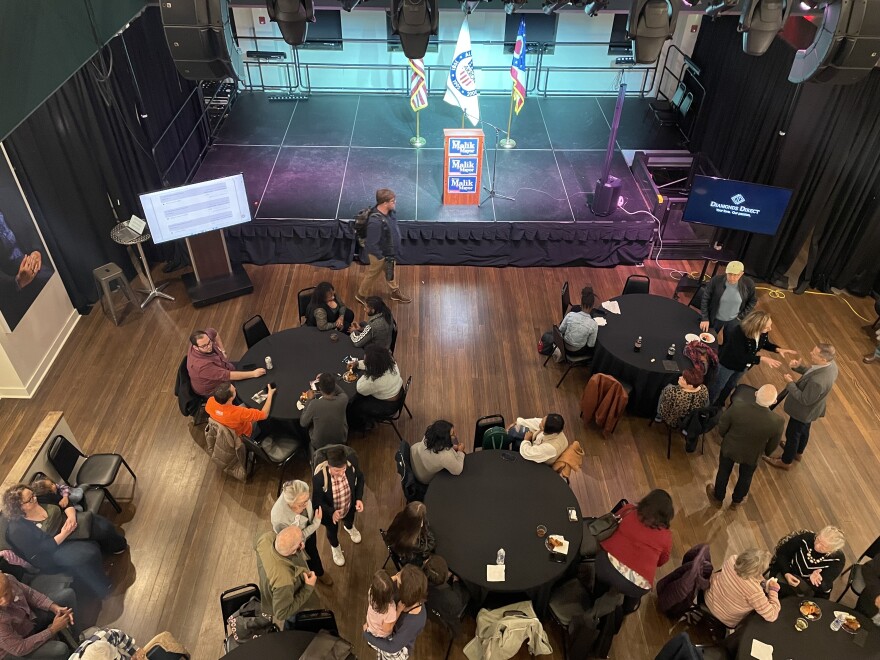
[[27, 352]]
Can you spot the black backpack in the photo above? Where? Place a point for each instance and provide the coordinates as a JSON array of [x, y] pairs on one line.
[[413, 489], [361, 220]]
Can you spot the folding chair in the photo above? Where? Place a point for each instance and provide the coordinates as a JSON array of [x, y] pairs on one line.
[[230, 601], [401, 404], [566, 300], [569, 360], [303, 298], [637, 284], [484, 423], [254, 330], [274, 451], [856, 580]]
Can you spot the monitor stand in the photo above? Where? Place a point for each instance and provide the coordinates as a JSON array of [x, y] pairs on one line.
[[213, 278]]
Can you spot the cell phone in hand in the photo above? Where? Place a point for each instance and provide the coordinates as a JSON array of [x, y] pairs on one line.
[[314, 385], [572, 514]]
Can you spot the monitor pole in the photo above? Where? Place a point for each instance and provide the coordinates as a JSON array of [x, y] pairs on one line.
[[213, 278]]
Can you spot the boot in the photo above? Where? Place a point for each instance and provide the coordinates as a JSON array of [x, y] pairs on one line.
[[399, 297]]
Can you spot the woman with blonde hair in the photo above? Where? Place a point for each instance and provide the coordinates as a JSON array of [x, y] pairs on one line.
[[293, 508], [738, 589], [739, 353]]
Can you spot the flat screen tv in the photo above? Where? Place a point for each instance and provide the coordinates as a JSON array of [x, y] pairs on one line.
[[736, 205], [197, 208]]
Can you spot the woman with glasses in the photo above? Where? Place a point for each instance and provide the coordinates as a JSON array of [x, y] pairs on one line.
[[54, 540], [293, 508], [439, 450]]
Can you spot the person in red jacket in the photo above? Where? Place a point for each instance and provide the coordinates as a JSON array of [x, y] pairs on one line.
[[628, 559]]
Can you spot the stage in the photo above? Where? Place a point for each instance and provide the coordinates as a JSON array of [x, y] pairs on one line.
[[309, 166]]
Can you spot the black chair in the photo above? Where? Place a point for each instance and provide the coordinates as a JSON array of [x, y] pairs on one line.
[[413, 489], [697, 299], [96, 471], [393, 557], [303, 298], [313, 621], [856, 580], [401, 404], [450, 626], [231, 600], [274, 451], [486, 422], [568, 360], [666, 104], [393, 335], [190, 403], [637, 284], [566, 300], [254, 330]]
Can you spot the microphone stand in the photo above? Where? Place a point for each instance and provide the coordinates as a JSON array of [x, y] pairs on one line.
[[491, 192]]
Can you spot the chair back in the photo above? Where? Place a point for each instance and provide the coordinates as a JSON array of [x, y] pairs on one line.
[[257, 449], [303, 298], [677, 98], [393, 335], [637, 284], [254, 330], [232, 599], [872, 550], [697, 299], [686, 104], [559, 343], [401, 402], [393, 556], [484, 423], [413, 489], [64, 456], [313, 621], [566, 299]]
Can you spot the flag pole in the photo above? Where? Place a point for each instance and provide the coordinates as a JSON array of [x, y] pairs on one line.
[[508, 142], [418, 140]]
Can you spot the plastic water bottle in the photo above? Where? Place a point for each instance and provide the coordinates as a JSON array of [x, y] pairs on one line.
[[499, 559], [638, 345], [671, 352], [837, 623], [268, 363]]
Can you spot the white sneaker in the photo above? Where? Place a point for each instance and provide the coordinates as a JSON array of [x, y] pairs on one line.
[[338, 556], [353, 533]]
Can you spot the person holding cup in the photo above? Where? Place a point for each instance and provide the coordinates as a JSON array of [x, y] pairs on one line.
[[738, 589]]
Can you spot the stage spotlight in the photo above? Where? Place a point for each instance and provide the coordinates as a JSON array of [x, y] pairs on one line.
[[593, 8], [293, 18], [415, 21], [651, 23], [551, 6], [511, 6], [348, 5], [760, 21], [718, 6]]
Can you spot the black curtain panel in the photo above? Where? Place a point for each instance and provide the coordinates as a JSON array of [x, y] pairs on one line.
[[86, 154]]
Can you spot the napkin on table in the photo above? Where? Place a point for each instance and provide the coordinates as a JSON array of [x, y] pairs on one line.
[[761, 651], [611, 306], [494, 572]]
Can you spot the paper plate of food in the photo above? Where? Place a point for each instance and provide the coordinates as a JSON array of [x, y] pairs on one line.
[[810, 611], [707, 338], [556, 543], [691, 337], [850, 623]]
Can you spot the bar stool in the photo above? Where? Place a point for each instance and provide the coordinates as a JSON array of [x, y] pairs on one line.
[[109, 278]]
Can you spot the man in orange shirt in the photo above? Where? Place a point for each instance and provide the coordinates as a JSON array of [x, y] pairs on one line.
[[242, 420]]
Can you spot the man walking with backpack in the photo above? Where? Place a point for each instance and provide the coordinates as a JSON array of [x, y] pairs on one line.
[[382, 243]]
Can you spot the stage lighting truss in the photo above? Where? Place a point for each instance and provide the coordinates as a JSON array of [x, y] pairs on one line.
[[414, 21], [760, 21], [511, 6], [650, 24], [293, 18], [715, 7], [593, 8]]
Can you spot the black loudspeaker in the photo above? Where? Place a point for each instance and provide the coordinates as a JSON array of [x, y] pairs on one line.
[[606, 196], [199, 36], [760, 21], [846, 47]]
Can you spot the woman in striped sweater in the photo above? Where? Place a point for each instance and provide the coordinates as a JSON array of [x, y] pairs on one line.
[[736, 590]]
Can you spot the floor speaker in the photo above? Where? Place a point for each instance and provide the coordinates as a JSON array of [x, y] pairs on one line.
[[199, 36]]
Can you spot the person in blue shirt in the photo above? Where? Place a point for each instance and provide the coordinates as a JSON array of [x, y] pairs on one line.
[[382, 245]]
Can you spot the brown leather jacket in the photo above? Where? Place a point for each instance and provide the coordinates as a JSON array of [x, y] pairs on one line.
[[605, 399]]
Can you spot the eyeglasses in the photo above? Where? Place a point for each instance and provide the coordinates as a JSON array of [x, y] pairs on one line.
[[205, 345], [33, 497]]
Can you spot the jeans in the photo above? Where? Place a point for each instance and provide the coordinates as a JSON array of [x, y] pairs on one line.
[[724, 383], [608, 577], [314, 561], [104, 532], [797, 435], [333, 528], [743, 482], [83, 562]]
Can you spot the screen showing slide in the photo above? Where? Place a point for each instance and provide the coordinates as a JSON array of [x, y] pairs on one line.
[[197, 208], [736, 205]]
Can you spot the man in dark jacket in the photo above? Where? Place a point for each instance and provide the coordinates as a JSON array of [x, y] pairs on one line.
[[748, 429], [338, 489], [382, 244], [729, 297], [869, 599]]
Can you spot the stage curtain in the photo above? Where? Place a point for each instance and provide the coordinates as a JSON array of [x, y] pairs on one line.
[[84, 156]]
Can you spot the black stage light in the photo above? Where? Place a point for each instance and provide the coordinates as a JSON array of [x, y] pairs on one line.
[[593, 8], [760, 21], [415, 21], [715, 7], [551, 6], [348, 5], [511, 6], [293, 18], [651, 23]]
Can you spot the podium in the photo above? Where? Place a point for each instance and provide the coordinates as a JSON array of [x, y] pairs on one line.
[[213, 278], [462, 166]]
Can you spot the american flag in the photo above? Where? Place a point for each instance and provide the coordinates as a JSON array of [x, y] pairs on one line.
[[518, 67], [418, 90]]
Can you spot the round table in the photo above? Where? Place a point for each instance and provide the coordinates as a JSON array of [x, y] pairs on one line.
[[283, 645], [298, 355], [498, 501], [817, 641], [659, 322]]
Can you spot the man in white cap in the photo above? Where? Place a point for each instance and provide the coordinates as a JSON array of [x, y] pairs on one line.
[[727, 298], [748, 429]]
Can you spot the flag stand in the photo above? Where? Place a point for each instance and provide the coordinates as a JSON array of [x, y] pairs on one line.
[[508, 142], [418, 140]]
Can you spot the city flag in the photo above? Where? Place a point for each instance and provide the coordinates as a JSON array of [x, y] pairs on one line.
[[418, 90], [518, 68], [461, 87]]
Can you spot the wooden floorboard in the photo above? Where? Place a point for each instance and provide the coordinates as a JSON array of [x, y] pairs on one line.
[[468, 340]]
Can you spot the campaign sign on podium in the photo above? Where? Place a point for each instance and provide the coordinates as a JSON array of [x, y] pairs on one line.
[[462, 165]]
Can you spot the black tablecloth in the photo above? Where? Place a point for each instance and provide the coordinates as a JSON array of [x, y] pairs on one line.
[[817, 642], [497, 503], [298, 355], [284, 645], [659, 322]]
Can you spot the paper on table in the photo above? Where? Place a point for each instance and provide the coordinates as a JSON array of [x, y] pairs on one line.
[[600, 321], [611, 306], [761, 651], [494, 572]]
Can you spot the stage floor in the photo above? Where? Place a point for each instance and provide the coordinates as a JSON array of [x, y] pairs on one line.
[[324, 158]]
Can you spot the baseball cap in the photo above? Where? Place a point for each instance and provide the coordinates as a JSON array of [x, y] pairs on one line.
[[735, 268]]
